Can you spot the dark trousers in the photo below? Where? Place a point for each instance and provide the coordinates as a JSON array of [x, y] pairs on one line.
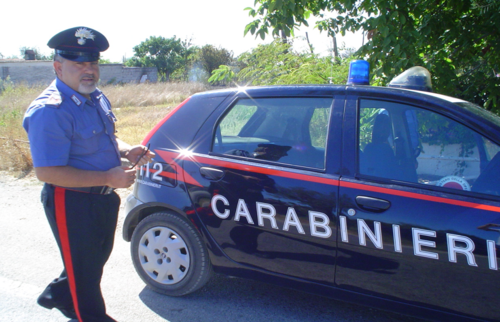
[[83, 225]]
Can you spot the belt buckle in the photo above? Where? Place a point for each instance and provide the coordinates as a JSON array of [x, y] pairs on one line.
[[106, 190]]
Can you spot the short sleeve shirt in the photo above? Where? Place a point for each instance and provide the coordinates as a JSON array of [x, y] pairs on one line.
[[66, 129]]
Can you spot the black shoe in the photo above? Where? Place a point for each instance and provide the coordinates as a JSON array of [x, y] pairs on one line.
[[50, 304]]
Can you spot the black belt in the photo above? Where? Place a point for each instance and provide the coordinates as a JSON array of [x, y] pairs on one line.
[[100, 190]]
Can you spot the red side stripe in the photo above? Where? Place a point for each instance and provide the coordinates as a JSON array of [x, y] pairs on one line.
[[60, 209], [172, 156], [345, 184], [418, 196], [267, 171]]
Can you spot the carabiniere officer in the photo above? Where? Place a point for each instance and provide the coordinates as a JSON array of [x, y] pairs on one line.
[[76, 153]]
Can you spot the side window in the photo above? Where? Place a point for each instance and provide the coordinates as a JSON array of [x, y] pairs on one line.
[[285, 130], [454, 156], [406, 143]]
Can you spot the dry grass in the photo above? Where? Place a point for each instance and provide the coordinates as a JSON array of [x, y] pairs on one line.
[[15, 154], [138, 108], [135, 123], [138, 95]]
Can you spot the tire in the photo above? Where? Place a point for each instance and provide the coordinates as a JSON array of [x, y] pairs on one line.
[[169, 255]]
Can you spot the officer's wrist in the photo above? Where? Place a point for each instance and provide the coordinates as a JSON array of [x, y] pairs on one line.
[[124, 153]]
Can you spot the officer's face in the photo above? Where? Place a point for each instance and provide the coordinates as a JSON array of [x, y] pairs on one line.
[[80, 76]]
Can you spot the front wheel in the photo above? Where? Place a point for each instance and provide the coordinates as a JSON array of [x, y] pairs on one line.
[[169, 255]]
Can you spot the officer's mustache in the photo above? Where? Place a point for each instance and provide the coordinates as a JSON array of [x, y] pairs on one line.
[[88, 76]]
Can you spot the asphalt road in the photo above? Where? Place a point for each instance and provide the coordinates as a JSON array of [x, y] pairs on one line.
[[29, 260]]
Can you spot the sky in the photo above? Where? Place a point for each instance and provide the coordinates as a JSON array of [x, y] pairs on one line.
[[126, 24]]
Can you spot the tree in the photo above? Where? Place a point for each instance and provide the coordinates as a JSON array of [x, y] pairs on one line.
[[277, 18], [189, 56], [211, 57], [456, 40], [166, 54], [268, 64], [277, 63], [223, 74]]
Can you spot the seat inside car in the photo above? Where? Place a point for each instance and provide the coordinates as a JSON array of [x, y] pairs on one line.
[[302, 151], [487, 182], [378, 157]]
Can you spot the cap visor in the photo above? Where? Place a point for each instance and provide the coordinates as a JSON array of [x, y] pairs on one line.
[[79, 56]]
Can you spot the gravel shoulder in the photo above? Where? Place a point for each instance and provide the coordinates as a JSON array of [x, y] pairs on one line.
[[30, 259]]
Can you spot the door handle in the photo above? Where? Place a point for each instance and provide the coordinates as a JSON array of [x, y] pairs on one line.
[[211, 173], [373, 204]]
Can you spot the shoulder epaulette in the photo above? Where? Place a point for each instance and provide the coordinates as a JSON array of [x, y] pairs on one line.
[[54, 99]]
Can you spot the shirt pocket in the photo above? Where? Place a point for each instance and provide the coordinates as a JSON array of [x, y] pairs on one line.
[[88, 140], [91, 131]]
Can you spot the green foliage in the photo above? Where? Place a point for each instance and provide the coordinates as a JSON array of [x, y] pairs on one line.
[[104, 61], [211, 57], [366, 120], [486, 5], [7, 118], [456, 40], [280, 17], [239, 115], [111, 81], [166, 54], [319, 127], [6, 85], [189, 58], [224, 74], [277, 63], [440, 131]]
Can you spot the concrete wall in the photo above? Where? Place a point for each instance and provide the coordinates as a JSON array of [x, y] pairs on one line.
[[117, 73], [30, 71], [41, 72]]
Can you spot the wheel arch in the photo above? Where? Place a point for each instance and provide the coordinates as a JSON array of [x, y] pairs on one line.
[[145, 210]]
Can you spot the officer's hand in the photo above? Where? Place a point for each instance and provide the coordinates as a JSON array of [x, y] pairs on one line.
[[139, 155], [120, 177]]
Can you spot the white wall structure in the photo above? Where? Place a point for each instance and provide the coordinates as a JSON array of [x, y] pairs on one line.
[[33, 72]]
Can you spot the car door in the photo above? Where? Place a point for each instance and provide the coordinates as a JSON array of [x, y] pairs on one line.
[[418, 222], [268, 184]]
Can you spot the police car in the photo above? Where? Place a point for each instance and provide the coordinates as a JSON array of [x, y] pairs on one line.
[[384, 196]]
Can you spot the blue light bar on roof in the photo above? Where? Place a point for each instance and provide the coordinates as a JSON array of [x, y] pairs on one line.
[[417, 77], [359, 73]]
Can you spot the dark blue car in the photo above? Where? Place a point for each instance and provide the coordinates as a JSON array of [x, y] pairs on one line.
[[380, 196]]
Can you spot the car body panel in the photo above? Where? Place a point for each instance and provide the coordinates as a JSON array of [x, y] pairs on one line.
[[414, 250], [265, 243], [331, 227]]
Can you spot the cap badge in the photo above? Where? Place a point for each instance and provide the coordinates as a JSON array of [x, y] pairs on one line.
[[83, 34]]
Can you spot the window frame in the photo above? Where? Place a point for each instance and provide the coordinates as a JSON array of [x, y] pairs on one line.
[[212, 148], [439, 110]]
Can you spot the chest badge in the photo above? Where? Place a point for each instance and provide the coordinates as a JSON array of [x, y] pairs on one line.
[[76, 100]]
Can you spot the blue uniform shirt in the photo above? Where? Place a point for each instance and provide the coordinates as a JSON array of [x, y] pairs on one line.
[[65, 128]]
